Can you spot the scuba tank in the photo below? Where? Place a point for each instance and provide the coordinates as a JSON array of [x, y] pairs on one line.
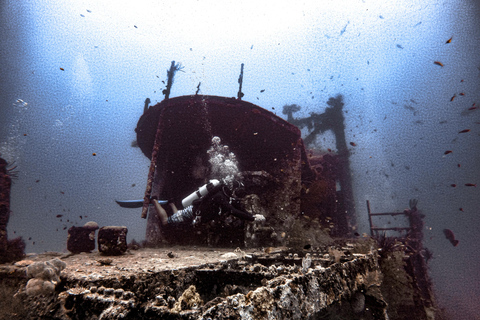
[[201, 192]]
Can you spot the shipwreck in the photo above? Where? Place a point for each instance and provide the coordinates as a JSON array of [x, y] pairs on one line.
[[304, 261]]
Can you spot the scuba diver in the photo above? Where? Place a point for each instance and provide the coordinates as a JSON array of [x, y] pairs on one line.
[[207, 203]]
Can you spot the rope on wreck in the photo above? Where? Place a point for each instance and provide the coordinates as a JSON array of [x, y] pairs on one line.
[[153, 165], [158, 135]]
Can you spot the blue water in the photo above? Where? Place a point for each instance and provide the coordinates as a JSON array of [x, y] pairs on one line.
[[379, 56]]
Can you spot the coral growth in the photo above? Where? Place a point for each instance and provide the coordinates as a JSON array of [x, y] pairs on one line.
[[10, 250], [44, 277], [15, 250], [386, 245], [190, 299]]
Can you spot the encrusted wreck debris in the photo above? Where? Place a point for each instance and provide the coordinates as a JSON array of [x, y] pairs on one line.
[[202, 284], [82, 239], [112, 240]]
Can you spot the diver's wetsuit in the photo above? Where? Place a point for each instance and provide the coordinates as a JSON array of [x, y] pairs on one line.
[[213, 204]]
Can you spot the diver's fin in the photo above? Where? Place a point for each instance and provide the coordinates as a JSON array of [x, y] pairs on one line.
[[135, 203]]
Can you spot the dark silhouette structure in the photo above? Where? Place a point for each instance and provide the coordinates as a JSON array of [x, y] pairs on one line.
[[318, 123], [416, 256], [170, 76], [10, 250]]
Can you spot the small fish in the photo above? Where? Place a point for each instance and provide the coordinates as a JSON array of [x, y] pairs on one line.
[[453, 185], [449, 40], [453, 97], [94, 154], [462, 93], [62, 69], [59, 215], [464, 131], [450, 237], [263, 90], [459, 165], [62, 192], [470, 185], [353, 144], [448, 152], [461, 209], [472, 108], [438, 63]]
